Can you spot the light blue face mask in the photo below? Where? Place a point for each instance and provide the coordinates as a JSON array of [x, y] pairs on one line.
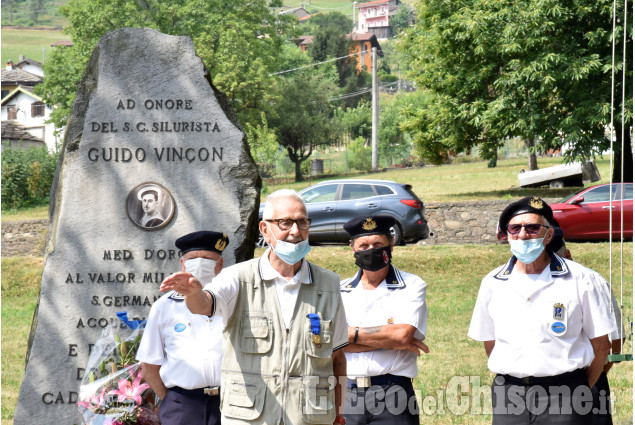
[[528, 250], [289, 252]]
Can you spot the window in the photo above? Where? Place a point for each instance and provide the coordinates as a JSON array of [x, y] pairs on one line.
[[357, 191], [384, 190], [4, 93], [599, 194], [12, 112], [320, 194], [617, 192], [37, 109]]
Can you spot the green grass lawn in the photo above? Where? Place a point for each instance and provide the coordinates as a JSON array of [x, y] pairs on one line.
[[470, 181], [29, 42], [453, 274]]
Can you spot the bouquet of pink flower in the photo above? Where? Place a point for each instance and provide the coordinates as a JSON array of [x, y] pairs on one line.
[[112, 390]]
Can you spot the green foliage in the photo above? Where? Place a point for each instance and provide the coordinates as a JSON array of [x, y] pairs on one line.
[[393, 144], [27, 176], [360, 155], [239, 42], [262, 141], [400, 20], [529, 68], [330, 41], [356, 122], [302, 118], [30, 13]]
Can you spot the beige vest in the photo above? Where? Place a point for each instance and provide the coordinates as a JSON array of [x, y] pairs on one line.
[[271, 375]]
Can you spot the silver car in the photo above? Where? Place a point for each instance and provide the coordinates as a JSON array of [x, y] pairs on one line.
[[332, 203]]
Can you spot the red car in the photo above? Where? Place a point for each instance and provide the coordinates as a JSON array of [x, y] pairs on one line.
[[585, 214]]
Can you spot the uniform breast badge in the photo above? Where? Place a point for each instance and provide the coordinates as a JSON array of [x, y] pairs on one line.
[[391, 320], [315, 328], [558, 311], [559, 327]]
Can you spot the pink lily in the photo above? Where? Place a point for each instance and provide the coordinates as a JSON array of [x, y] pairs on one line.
[[130, 390], [94, 401]]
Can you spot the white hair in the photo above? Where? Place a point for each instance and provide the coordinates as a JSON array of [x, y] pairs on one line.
[[276, 196]]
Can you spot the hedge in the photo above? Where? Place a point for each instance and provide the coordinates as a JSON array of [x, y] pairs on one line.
[[27, 176]]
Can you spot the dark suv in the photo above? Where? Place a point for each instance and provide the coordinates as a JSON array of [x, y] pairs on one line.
[[332, 203]]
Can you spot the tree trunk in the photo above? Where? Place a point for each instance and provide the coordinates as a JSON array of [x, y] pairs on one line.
[[628, 158], [532, 158], [298, 171]]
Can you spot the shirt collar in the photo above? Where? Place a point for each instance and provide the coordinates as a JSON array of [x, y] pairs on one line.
[[267, 272], [393, 280], [558, 268]]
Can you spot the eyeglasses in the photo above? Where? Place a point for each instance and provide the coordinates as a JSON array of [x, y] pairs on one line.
[[531, 228], [287, 223]]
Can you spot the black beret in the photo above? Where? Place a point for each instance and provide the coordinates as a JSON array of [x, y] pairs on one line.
[[202, 241], [365, 225], [557, 241], [530, 204]]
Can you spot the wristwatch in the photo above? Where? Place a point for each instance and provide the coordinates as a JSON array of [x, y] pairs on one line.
[[339, 420]]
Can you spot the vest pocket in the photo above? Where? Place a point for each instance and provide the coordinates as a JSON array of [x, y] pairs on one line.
[[243, 399], [317, 400], [318, 345], [255, 332]]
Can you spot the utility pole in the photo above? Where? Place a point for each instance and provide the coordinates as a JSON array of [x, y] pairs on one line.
[[354, 26], [375, 98]]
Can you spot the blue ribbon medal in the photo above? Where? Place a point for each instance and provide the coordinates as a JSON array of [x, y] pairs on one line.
[[315, 328]]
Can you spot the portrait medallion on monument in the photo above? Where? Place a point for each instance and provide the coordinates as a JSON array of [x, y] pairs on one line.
[[150, 206]]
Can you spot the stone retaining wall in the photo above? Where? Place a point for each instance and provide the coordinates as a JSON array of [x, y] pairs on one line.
[[465, 222], [24, 238]]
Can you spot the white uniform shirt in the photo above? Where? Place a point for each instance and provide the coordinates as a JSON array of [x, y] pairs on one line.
[[224, 291], [187, 346], [399, 299], [541, 324]]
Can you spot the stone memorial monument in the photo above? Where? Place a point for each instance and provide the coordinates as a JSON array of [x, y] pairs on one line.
[[152, 152]]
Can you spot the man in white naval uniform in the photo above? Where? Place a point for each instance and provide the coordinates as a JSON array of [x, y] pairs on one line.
[[180, 351], [544, 322], [601, 390], [387, 315]]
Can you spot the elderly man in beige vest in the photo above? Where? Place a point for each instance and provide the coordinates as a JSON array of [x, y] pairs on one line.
[[284, 326]]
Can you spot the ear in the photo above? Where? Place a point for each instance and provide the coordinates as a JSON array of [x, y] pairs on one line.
[[182, 264], [219, 266], [265, 231], [548, 236]]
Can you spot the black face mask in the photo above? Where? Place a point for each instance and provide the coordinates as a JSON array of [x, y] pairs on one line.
[[373, 259]]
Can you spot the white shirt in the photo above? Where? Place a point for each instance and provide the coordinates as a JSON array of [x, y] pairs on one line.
[[187, 346], [224, 289], [541, 324], [399, 299]]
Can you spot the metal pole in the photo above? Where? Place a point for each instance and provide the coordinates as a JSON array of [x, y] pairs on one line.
[[375, 90], [354, 25]]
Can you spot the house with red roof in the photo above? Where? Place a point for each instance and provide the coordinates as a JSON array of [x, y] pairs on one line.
[[374, 17]]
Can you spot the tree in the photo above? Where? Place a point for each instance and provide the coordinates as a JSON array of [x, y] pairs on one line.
[[330, 41], [36, 9], [239, 42], [302, 119], [530, 68], [401, 20], [394, 144]]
